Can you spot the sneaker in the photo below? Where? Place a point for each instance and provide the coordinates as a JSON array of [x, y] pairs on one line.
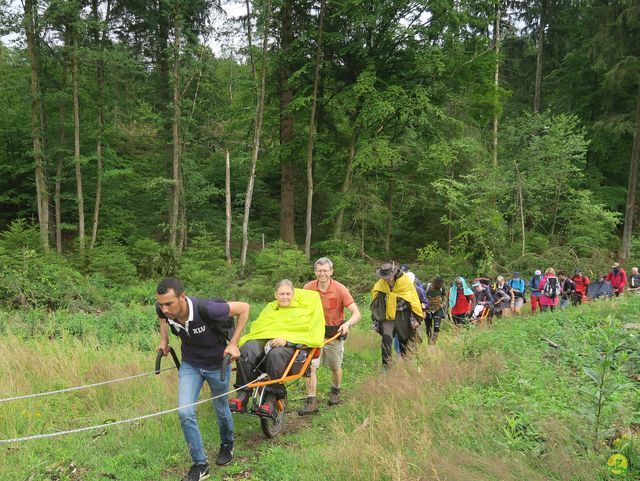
[[310, 406], [225, 455], [197, 473], [334, 396], [266, 410], [239, 404]]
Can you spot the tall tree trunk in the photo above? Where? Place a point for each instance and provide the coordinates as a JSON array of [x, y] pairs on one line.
[[496, 83], [42, 195], [287, 163], [76, 143], [257, 134], [346, 184], [175, 208], [556, 209], [61, 155], [227, 204], [538, 87], [450, 215], [182, 224], [521, 205], [311, 136], [387, 236], [627, 233], [100, 107]]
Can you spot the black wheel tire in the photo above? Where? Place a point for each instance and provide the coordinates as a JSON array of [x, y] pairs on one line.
[[271, 427]]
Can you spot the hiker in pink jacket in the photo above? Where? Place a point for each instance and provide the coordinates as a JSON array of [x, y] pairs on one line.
[[550, 290]]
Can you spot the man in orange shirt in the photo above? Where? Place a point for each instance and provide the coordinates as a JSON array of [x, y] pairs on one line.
[[335, 298]]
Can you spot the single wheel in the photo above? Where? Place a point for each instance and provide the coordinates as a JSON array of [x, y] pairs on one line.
[[274, 425]]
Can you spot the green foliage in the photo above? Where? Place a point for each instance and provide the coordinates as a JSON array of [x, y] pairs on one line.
[[589, 225], [153, 259], [30, 279], [280, 260], [112, 262]]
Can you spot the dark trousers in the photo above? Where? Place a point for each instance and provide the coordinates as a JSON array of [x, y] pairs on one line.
[[406, 345], [433, 321], [253, 362], [544, 308]]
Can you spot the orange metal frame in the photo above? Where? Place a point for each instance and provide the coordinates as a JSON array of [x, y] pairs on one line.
[[291, 377]]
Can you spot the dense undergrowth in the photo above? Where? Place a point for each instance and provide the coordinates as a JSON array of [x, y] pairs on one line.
[[544, 397]]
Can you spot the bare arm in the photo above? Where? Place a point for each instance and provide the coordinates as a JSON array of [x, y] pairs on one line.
[[164, 337], [353, 319], [241, 310]]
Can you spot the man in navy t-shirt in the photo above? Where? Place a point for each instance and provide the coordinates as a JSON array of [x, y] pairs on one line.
[[202, 351]]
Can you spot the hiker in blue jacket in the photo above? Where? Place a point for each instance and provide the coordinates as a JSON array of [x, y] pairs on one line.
[[518, 287]]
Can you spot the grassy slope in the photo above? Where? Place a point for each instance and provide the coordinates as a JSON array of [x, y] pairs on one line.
[[489, 404]]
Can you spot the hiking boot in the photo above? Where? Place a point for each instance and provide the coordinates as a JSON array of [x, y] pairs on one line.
[[197, 473], [225, 455], [239, 404], [334, 396], [310, 406]]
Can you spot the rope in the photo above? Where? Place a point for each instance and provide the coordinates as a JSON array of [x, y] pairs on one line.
[[86, 386], [123, 421]]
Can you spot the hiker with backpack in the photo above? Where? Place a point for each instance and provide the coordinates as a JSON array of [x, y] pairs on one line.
[[335, 299], [568, 288], [618, 279], [395, 309], [518, 288], [202, 325], [550, 290], [503, 298], [581, 284], [534, 285]]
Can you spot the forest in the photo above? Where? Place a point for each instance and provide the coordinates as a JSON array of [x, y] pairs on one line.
[[142, 138]]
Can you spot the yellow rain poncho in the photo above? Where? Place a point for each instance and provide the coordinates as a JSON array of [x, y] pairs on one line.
[[302, 322], [404, 289]]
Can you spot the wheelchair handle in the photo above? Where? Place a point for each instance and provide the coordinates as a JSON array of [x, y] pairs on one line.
[[161, 355], [226, 360]]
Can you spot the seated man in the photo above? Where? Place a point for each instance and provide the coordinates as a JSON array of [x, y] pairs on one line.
[[294, 318]]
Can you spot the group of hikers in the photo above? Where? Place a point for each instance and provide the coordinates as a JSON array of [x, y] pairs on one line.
[[297, 318], [314, 317]]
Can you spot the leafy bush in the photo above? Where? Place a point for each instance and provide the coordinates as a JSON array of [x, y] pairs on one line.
[[30, 279], [153, 259], [112, 262], [19, 235], [283, 261], [204, 269]]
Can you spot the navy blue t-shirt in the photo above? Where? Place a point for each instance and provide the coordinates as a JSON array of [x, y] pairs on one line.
[[201, 346]]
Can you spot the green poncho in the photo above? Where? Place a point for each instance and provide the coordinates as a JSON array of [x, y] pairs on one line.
[[300, 323]]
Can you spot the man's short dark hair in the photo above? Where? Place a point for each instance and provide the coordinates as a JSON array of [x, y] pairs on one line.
[[170, 283]]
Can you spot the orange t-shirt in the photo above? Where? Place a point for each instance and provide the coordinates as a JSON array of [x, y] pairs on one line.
[[334, 300]]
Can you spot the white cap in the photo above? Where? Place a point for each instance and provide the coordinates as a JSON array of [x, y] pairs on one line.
[[538, 272]]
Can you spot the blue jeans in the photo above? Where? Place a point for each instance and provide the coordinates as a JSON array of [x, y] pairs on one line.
[[190, 383]]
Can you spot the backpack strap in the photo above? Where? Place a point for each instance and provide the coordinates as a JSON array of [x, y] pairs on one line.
[[212, 323]]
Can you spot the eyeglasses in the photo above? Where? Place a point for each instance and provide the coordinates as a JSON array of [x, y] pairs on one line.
[[323, 271]]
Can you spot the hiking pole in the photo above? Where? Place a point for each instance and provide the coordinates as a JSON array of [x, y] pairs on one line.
[[161, 355], [226, 360]]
